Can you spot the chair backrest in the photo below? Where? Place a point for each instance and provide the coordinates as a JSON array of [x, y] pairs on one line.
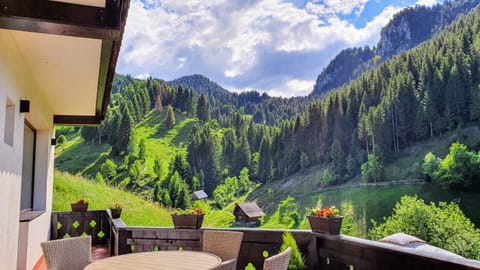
[[224, 244], [67, 254], [279, 261]]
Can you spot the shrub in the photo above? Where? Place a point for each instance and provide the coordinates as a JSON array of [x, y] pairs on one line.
[[443, 225], [460, 169], [297, 261], [372, 170]]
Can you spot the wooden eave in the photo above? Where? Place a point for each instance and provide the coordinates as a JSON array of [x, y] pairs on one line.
[[58, 18]]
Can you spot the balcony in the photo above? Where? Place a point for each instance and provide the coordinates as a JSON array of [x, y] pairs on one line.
[[320, 251]]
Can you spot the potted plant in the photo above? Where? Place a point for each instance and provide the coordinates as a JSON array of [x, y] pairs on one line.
[[80, 206], [188, 219], [326, 220], [116, 209]]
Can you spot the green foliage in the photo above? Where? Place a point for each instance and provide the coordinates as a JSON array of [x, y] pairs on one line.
[[349, 222], [297, 260], [125, 130], [170, 119], [372, 170], [288, 213], [326, 179], [232, 188], [443, 225], [61, 139], [108, 170], [142, 150], [430, 165], [460, 169], [99, 178]]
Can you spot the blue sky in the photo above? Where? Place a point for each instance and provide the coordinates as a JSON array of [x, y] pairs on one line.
[[273, 46]]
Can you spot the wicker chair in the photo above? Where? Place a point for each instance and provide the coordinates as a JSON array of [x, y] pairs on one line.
[[67, 254], [279, 261], [224, 244]]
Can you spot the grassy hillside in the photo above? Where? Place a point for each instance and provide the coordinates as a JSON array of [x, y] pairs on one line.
[[77, 156], [137, 211]]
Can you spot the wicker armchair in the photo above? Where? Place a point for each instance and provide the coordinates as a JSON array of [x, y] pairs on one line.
[[67, 254], [279, 261], [224, 244]]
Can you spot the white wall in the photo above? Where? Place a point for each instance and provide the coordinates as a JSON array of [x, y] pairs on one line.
[[16, 83]]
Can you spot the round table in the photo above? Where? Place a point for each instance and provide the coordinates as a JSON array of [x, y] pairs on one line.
[[158, 260]]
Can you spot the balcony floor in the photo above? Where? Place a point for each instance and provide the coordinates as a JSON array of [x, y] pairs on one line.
[[98, 252]]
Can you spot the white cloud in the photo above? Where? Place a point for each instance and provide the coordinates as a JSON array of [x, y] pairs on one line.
[[337, 6], [246, 44], [428, 3], [143, 76], [292, 88]]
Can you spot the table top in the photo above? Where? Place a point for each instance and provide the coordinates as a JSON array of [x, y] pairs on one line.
[[159, 260]]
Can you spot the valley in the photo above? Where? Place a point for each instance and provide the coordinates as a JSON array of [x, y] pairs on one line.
[[407, 124]]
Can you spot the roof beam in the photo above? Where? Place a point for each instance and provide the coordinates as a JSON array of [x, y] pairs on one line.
[[76, 120], [50, 17]]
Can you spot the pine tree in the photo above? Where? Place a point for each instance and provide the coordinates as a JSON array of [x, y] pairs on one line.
[[203, 108], [265, 162], [142, 150], [125, 131], [170, 119]]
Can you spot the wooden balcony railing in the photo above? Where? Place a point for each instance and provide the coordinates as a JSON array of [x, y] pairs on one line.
[[69, 224], [320, 251]]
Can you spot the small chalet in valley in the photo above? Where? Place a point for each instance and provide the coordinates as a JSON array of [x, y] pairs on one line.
[[57, 62], [247, 213], [199, 195]]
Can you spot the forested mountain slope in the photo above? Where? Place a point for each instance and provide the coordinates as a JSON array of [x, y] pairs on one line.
[[414, 97], [407, 29]]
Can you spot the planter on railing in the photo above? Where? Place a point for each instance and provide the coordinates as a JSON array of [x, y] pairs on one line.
[[190, 221], [79, 207], [329, 226]]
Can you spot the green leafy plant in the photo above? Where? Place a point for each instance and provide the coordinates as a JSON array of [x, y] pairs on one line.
[[443, 225], [297, 260]]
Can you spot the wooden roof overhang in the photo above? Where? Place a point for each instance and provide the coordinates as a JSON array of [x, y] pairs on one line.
[[75, 18]]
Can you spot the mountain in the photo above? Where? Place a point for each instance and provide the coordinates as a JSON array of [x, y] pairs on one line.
[[407, 29], [201, 84]]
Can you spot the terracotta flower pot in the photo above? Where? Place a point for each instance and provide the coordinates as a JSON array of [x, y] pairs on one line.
[[191, 221], [116, 213], [329, 226]]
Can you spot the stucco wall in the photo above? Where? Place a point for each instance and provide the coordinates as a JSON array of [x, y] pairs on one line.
[[15, 84]]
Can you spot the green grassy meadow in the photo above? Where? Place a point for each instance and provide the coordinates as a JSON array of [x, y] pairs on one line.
[[77, 156], [136, 212]]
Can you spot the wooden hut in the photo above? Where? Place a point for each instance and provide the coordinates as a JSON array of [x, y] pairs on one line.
[[247, 213], [199, 195]]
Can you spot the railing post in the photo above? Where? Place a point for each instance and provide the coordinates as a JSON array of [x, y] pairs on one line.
[[53, 226], [121, 246]]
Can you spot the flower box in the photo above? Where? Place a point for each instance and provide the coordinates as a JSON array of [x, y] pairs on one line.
[[189, 221], [324, 225], [79, 207]]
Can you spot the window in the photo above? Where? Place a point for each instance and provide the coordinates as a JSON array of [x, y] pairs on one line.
[[28, 167], [9, 122]]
